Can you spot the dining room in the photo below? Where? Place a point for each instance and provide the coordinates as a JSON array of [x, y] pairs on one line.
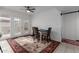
[[38, 29]]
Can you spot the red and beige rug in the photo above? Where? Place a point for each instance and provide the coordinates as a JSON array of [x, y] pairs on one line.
[[28, 45]]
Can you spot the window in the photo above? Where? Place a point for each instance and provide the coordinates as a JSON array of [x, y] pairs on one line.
[[5, 25], [11, 27], [17, 26]]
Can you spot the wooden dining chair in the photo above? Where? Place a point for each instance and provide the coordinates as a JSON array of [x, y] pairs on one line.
[[36, 34], [49, 33]]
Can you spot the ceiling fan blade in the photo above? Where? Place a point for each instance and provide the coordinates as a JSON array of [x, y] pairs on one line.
[[33, 9]]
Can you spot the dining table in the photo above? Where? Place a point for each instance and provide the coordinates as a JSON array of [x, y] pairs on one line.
[[42, 31]]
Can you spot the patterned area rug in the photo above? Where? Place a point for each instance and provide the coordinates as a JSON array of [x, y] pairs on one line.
[[28, 45]]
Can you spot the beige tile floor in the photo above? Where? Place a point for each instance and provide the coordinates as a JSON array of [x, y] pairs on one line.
[[5, 47], [62, 48], [67, 48]]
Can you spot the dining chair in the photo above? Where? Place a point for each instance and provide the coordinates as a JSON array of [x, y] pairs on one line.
[[36, 34]]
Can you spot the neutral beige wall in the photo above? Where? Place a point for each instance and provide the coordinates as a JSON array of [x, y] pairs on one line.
[[70, 26]]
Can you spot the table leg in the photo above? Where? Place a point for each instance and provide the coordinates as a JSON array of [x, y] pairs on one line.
[[40, 37]]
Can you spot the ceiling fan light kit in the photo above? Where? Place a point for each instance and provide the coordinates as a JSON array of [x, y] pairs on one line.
[[27, 11]]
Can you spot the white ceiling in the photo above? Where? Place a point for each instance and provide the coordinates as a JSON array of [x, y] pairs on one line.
[[67, 8], [15, 8], [42, 8]]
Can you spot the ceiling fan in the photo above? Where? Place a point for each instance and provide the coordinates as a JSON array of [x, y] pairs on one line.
[[29, 9]]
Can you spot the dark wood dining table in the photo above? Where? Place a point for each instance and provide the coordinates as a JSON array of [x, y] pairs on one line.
[[42, 31]]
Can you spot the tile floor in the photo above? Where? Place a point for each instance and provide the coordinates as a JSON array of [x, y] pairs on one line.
[[5, 47], [62, 48], [67, 48]]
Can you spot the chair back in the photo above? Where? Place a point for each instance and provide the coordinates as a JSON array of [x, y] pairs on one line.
[[35, 31], [49, 31]]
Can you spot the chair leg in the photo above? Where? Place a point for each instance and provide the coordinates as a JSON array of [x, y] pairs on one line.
[[48, 38]]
